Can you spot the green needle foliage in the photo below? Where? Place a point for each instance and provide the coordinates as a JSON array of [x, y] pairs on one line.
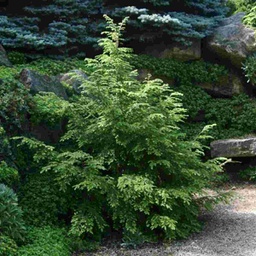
[[127, 156]]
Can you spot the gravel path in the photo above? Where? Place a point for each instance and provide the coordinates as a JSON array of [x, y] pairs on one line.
[[228, 231]]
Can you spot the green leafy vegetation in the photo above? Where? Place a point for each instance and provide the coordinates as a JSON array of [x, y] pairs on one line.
[[132, 161], [248, 174], [48, 108], [8, 246], [41, 200], [181, 73], [240, 5], [45, 241], [11, 222], [8, 175], [249, 68], [132, 157]]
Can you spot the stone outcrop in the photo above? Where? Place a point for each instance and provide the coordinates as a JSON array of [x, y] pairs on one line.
[[176, 51], [74, 79], [42, 83], [234, 148], [232, 40], [4, 61], [227, 86]]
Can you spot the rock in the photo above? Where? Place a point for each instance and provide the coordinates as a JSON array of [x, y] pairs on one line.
[[74, 82], [4, 61], [176, 51], [143, 73], [227, 86], [233, 40], [234, 148], [42, 83]]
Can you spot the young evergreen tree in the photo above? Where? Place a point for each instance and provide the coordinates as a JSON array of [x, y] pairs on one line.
[[127, 157]]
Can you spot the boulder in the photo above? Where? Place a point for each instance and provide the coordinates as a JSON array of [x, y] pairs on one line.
[[234, 148], [176, 51], [232, 40], [42, 83], [227, 86], [4, 61], [73, 82]]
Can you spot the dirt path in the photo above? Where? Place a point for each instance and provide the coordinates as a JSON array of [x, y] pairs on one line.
[[228, 231]]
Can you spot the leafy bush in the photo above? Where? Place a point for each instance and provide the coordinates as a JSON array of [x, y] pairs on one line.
[[11, 222], [234, 117], [15, 100], [239, 5], [250, 17], [49, 108], [17, 57], [45, 241], [8, 247], [248, 174], [8, 175], [129, 159], [182, 73], [49, 66], [249, 68], [41, 200]]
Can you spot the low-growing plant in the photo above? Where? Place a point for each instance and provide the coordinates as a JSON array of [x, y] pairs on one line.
[[8, 175], [249, 68], [250, 18], [48, 108], [8, 246], [47, 66], [234, 117], [41, 200], [11, 221], [45, 241], [248, 174], [14, 104], [17, 58], [182, 73]]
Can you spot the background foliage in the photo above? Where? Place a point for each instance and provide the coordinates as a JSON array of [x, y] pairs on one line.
[[69, 25]]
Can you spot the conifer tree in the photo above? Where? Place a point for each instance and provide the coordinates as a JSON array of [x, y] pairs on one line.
[[66, 24], [128, 162]]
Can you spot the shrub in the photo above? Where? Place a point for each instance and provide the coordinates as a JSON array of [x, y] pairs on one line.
[[48, 108], [15, 100], [181, 73], [249, 68], [129, 159], [8, 175], [11, 222], [47, 66], [234, 117], [248, 174], [16, 57], [41, 200], [45, 241], [240, 5], [8, 247]]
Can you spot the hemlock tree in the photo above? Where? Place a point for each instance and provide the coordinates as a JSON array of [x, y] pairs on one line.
[[63, 24], [127, 157]]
